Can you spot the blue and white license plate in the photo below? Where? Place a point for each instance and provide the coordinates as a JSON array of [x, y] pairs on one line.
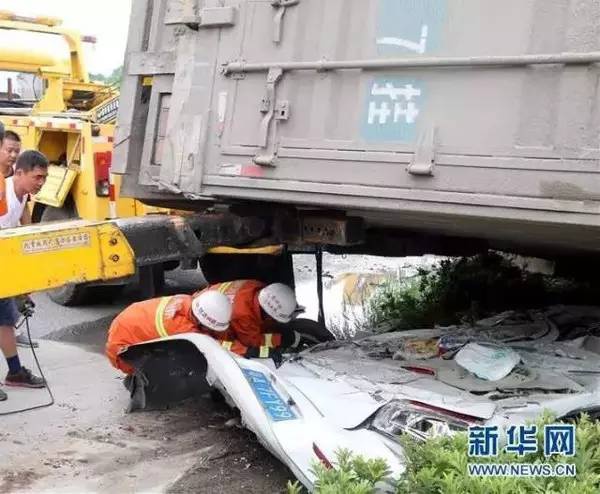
[[276, 407]]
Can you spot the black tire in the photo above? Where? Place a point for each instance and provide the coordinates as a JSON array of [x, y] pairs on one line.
[[72, 294], [67, 212]]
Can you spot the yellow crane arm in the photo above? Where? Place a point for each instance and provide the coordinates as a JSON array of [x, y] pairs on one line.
[[16, 60], [47, 25], [65, 80]]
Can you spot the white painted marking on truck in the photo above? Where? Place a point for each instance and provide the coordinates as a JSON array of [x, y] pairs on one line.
[[60, 242], [222, 106], [419, 47], [380, 112], [231, 170], [408, 92], [197, 123]]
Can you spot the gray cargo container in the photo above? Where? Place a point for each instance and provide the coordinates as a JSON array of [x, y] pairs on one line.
[[466, 118]]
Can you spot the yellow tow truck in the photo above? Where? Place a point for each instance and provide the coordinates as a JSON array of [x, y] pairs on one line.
[[72, 123], [88, 244]]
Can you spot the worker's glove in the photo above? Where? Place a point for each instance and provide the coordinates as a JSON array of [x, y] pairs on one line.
[[275, 354], [265, 352], [290, 339], [25, 305], [300, 309]]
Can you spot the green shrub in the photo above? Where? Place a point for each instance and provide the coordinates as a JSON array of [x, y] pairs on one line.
[[401, 302], [439, 466], [351, 475], [469, 288]]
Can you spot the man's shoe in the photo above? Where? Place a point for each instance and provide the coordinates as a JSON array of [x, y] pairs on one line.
[[3, 396], [24, 341], [25, 379]]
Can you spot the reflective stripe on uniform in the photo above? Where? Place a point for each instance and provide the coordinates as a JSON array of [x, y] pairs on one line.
[[159, 318], [224, 286], [227, 345], [264, 352], [269, 339]]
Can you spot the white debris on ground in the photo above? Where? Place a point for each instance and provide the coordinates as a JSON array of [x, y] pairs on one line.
[[349, 282]]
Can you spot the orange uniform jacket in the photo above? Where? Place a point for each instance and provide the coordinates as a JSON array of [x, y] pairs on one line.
[[154, 319], [3, 201], [247, 322], [138, 323]]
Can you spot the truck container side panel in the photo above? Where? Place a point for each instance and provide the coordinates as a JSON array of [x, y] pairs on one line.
[[506, 144], [158, 37], [155, 124], [164, 106], [148, 38], [190, 111], [518, 183]]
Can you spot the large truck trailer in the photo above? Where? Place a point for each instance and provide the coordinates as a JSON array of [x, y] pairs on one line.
[[383, 126], [388, 127]]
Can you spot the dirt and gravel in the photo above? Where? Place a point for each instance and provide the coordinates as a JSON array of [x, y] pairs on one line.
[[87, 443], [222, 457]]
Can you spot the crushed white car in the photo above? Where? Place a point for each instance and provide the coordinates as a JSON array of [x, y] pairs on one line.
[[363, 394]]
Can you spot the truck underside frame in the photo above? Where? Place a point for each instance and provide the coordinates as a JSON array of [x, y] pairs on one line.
[[50, 255]]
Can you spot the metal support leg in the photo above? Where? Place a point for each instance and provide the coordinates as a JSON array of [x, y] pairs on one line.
[[319, 259], [147, 288]]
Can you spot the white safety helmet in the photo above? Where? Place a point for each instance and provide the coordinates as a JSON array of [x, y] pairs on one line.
[[213, 310], [278, 301]]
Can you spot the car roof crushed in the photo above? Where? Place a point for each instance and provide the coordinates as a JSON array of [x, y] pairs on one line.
[[559, 349]]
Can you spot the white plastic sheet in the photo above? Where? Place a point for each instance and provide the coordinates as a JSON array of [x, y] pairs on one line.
[[489, 362]]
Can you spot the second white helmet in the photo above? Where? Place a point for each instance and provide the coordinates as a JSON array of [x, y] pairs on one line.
[[213, 310], [278, 301]]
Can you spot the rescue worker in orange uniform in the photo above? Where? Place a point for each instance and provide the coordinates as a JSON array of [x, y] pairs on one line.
[[208, 313], [257, 308]]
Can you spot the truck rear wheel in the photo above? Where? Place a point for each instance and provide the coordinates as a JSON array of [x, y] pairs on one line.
[[75, 294], [68, 295]]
